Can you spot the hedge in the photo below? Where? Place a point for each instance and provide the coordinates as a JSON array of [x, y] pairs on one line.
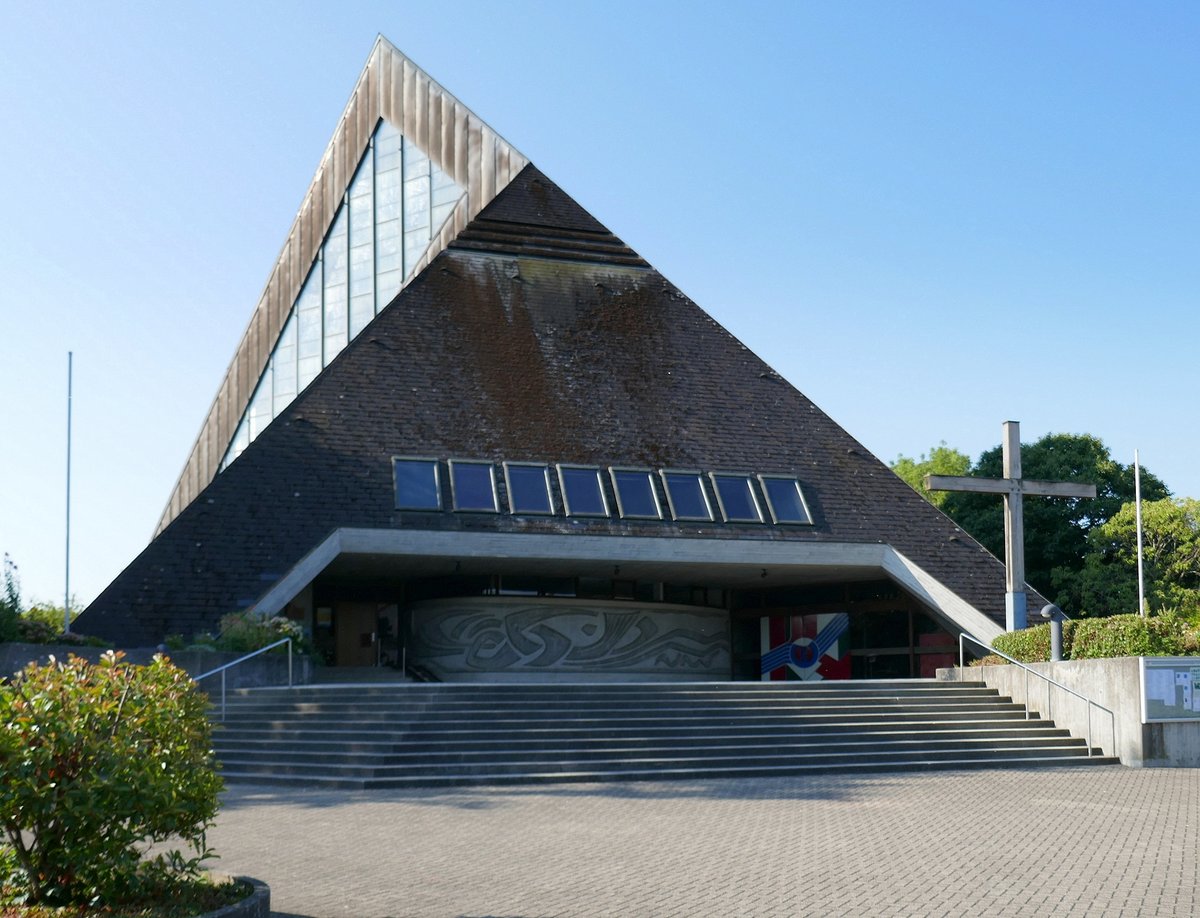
[[1165, 635]]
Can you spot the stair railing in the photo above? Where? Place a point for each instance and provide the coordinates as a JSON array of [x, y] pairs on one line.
[[1049, 683], [242, 659]]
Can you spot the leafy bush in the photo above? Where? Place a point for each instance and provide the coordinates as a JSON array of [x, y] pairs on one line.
[[1165, 635], [98, 761], [1029, 645], [1168, 634]]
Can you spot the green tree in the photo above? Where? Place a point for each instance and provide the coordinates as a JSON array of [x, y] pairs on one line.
[[941, 460], [11, 605], [1056, 528], [1171, 559]]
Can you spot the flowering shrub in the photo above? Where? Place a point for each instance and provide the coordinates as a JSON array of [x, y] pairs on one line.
[[242, 632], [98, 761]]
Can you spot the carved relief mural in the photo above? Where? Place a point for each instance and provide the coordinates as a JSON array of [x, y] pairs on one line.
[[561, 636]]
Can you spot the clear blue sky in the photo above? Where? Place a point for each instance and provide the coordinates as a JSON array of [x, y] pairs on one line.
[[930, 217]]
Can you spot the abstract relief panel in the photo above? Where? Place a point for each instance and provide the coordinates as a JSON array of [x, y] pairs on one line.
[[554, 636]]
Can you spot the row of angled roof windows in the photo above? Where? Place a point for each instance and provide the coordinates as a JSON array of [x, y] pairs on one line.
[[584, 491], [396, 201]]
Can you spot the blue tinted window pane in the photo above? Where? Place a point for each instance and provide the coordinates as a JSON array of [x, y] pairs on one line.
[[582, 493], [635, 494], [528, 489], [474, 486], [687, 496], [417, 484], [787, 504], [737, 498]]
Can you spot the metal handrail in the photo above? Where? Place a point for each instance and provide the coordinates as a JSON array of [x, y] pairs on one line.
[[963, 636], [242, 659]]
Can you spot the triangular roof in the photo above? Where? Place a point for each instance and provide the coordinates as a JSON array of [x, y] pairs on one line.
[[537, 335], [458, 142]]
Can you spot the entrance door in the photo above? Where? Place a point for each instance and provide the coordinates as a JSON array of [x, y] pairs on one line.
[[355, 624]]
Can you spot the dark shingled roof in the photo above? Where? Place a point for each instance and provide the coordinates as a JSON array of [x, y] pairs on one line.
[[537, 335]]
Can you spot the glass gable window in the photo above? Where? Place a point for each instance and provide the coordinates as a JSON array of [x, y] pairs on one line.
[[308, 344], [583, 493], [418, 483], [635, 494], [528, 488], [785, 499], [473, 485], [336, 258], [395, 205], [283, 368], [685, 494], [362, 248], [735, 495]]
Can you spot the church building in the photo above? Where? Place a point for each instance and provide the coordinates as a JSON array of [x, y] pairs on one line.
[[469, 431]]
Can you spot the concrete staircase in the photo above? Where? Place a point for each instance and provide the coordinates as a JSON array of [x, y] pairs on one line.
[[360, 736]]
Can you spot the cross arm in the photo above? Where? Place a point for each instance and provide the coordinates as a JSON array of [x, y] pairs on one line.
[[1058, 488], [966, 483], [1008, 486]]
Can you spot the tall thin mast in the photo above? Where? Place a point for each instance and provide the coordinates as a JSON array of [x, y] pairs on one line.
[[1137, 499], [67, 585]]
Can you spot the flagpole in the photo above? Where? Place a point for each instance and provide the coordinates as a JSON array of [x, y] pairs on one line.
[[1137, 497], [67, 584]]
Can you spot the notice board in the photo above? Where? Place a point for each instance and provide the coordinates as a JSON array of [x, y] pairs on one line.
[[1170, 689]]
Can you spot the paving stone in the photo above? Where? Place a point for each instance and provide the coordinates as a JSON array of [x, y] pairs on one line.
[[1106, 841]]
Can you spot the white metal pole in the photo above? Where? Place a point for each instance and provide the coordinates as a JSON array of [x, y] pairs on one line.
[[1137, 498], [67, 584]]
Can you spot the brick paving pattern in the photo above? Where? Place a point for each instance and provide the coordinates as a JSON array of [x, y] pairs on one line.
[[1063, 841]]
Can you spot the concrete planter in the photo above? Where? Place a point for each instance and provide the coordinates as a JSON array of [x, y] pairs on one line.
[[256, 905], [1113, 683], [268, 669]]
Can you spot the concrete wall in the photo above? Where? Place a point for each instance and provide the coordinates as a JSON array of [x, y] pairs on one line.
[[497, 639], [268, 669], [1115, 684]]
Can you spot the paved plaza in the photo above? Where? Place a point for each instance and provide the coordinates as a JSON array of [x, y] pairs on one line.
[[1066, 841]]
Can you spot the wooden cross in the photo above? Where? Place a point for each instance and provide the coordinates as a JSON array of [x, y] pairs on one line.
[[1014, 488]]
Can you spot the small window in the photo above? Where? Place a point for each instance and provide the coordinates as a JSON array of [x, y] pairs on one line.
[[735, 495], [583, 493], [418, 483], [473, 485], [785, 499], [685, 494], [635, 494], [528, 488]]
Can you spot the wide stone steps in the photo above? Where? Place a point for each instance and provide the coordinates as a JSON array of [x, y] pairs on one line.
[[429, 735]]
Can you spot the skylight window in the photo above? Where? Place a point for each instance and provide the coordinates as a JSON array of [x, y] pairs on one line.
[[418, 483], [473, 486], [685, 494], [583, 493], [735, 495], [785, 499], [635, 494], [528, 488]]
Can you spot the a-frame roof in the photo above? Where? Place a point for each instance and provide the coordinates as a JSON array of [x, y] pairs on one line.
[[536, 335], [457, 141]]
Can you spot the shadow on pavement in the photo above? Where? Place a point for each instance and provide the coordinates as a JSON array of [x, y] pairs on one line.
[[801, 787]]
